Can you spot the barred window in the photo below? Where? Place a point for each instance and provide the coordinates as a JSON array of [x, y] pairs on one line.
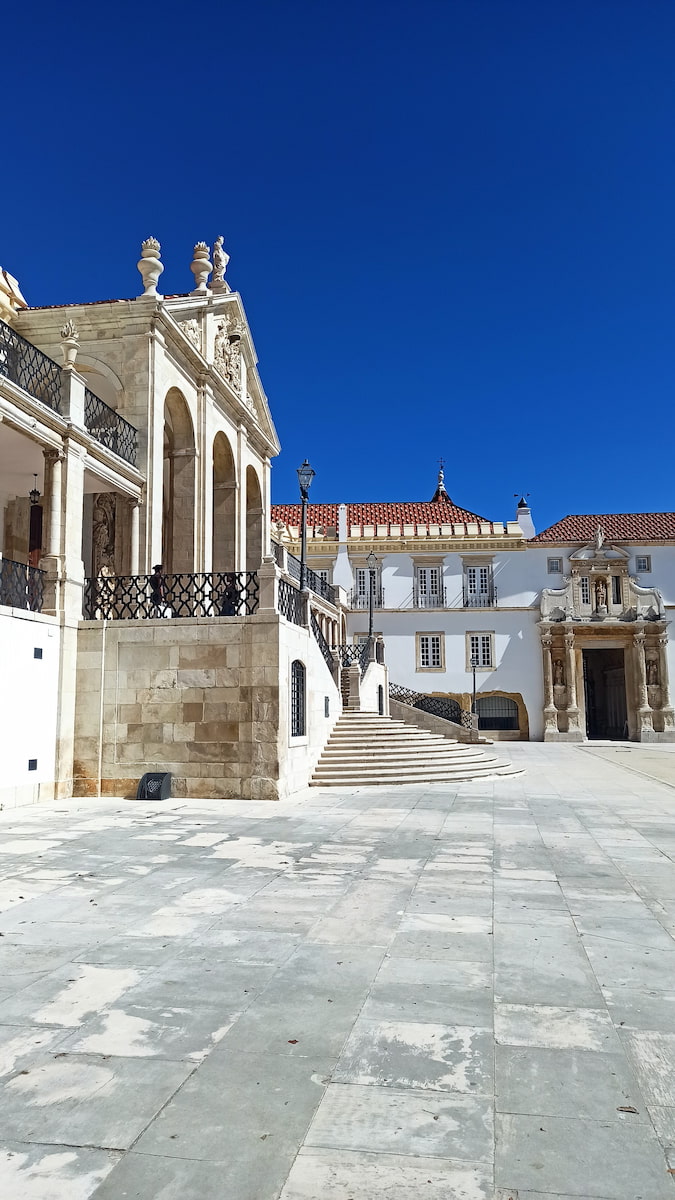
[[643, 562], [555, 566], [298, 706], [497, 712], [585, 589]]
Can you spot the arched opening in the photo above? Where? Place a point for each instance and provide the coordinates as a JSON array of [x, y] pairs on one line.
[[224, 505], [254, 521], [497, 712], [298, 699], [178, 514]]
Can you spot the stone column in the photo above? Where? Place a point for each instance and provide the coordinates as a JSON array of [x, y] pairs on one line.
[[240, 516], [645, 719], [134, 535], [550, 711], [571, 673], [666, 704], [53, 460]]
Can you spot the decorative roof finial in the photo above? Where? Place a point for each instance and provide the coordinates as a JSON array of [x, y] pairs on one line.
[[220, 260], [440, 494], [201, 269], [150, 266]]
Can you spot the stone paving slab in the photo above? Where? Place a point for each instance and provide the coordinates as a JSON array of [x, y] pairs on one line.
[[458, 991]]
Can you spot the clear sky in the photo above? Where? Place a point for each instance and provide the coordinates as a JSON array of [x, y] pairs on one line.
[[451, 222]]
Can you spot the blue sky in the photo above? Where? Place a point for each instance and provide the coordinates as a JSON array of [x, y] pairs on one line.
[[451, 222]]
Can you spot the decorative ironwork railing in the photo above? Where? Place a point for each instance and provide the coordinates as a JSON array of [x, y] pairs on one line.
[[21, 586], [359, 652], [291, 604], [479, 599], [313, 581], [361, 600], [109, 428], [430, 599], [134, 597], [322, 643], [438, 706], [28, 367]]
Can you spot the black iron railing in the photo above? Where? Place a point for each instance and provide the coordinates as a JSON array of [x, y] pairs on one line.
[[291, 603], [109, 428], [438, 706], [361, 600], [313, 581], [356, 652], [486, 599], [430, 599], [134, 597], [21, 586], [28, 367], [322, 643]]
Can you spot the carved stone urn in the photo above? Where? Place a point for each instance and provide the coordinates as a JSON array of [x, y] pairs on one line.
[[70, 343], [150, 266], [201, 269]]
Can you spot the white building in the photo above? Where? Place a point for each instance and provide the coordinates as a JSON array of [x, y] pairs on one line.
[[567, 629]]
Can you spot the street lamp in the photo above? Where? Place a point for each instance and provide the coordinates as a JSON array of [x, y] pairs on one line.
[[372, 567], [474, 664], [305, 477]]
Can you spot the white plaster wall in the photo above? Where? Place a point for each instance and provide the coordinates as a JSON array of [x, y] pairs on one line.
[[299, 756], [375, 677], [28, 705]]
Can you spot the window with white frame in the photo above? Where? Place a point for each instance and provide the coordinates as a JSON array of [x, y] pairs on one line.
[[555, 566], [480, 646], [585, 589], [324, 574], [478, 586], [362, 587], [429, 587], [430, 651], [643, 562]]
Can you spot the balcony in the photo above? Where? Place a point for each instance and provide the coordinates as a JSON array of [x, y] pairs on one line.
[[21, 586], [361, 601], [136, 597], [431, 599], [486, 599]]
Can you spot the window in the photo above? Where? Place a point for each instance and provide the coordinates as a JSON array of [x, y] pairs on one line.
[[324, 574], [585, 589], [361, 593], [481, 647], [479, 589], [643, 562], [429, 592], [616, 589], [496, 712], [554, 566], [430, 652], [298, 725]]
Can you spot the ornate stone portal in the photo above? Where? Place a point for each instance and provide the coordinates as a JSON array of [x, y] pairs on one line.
[[604, 644]]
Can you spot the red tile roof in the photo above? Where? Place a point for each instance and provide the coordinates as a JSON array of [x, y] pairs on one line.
[[617, 527], [424, 513]]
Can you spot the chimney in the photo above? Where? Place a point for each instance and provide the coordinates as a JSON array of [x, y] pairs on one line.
[[524, 517]]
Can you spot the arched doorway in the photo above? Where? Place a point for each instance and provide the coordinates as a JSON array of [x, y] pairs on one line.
[[178, 515], [254, 521], [224, 505]]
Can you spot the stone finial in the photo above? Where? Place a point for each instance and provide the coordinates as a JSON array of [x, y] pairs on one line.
[[11, 300], [150, 266], [70, 341], [220, 260], [201, 269]]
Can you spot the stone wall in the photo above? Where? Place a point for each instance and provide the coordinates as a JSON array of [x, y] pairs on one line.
[[29, 706], [204, 699]]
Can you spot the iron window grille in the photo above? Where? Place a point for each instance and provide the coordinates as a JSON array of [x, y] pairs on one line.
[[298, 688], [497, 712]]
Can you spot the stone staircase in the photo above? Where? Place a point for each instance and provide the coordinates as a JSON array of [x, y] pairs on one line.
[[365, 750]]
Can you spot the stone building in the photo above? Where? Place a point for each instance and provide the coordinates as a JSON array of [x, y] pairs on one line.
[[567, 629], [135, 447]]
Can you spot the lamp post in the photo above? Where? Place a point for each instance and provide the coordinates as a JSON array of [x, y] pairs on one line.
[[305, 477], [474, 664], [372, 566]]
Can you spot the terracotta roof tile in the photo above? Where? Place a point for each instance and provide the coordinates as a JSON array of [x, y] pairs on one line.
[[424, 512], [618, 527]]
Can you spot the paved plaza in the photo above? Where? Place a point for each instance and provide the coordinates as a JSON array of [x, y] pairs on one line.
[[456, 992]]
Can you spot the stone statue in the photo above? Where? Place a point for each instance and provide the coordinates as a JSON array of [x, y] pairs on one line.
[[192, 331], [220, 260], [652, 670], [599, 539], [558, 672], [220, 345], [103, 533], [601, 594]]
